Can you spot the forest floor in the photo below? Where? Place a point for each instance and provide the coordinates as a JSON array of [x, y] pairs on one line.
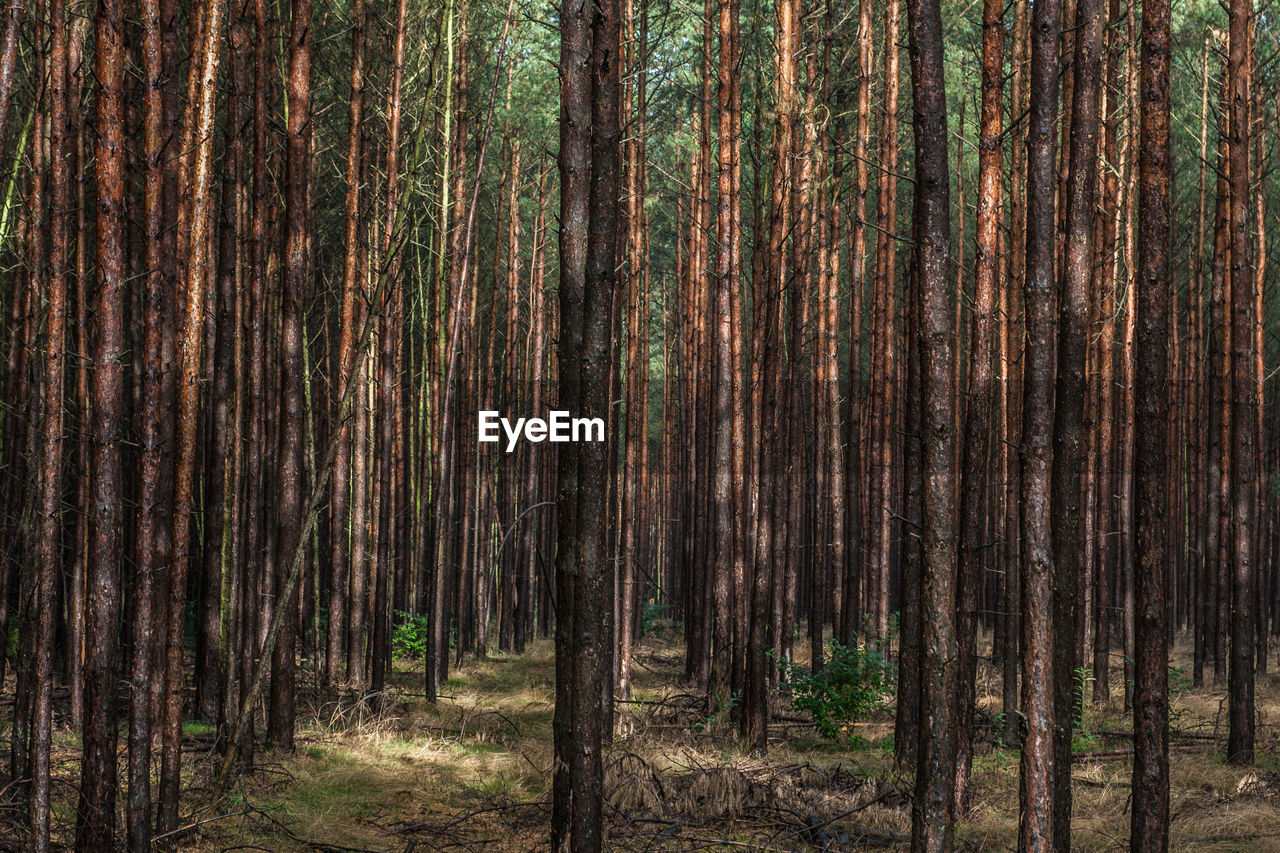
[[473, 772]]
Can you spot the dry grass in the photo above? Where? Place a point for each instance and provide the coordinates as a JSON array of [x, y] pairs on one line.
[[472, 772]]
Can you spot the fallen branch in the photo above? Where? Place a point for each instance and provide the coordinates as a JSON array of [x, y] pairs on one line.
[[425, 825], [182, 830]]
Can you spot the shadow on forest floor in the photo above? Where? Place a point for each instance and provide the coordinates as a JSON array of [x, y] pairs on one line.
[[473, 772]]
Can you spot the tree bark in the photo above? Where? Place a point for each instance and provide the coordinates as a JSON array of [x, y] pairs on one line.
[[975, 485], [1153, 410], [590, 138], [1036, 833], [932, 813], [1240, 741], [196, 215], [95, 818], [1069, 449], [294, 270]]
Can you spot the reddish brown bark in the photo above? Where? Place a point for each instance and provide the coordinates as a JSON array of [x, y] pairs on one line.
[[1244, 440], [195, 215], [154, 524], [95, 818], [295, 271], [978, 423], [932, 812], [1037, 790], [339, 509], [48, 557], [1153, 411], [1069, 448]]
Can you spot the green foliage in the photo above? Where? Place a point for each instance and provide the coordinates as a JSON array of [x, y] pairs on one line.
[[720, 711], [1000, 728], [652, 615], [411, 636], [1180, 678], [854, 682], [1082, 733]]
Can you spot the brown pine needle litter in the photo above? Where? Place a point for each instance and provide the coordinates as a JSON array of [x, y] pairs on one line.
[[473, 772]]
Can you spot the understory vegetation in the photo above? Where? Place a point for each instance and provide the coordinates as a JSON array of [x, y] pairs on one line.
[[393, 773]]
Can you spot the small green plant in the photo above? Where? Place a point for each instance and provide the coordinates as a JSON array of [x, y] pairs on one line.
[[1082, 737], [1180, 678], [999, 724], [411, 635], [855, 681], [652, 615]]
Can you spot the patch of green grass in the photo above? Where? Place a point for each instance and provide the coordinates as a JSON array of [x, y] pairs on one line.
[[335, 790], [496, 787]]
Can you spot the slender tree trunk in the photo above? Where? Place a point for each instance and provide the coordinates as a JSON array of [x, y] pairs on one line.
[[728, 550], [295, 271], [95, 818], [1105, 306], [196, 215], [1040, 289], [1244, 450], [1150, 824], [978, 426], [1012, 391], [1068, 427], [48, 556], [932, 813], [154, 522], [340, 569]]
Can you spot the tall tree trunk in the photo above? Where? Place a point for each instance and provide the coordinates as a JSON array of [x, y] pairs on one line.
[[975, 486], [340, 569], [1068, 425], [932, 813], [1150, 825], [295, 271], [1244, 449], [195, 214], [728, 548], [48, 556], [388, 548], [1036, 833], [589, 217], [96, 813], [154, 521]]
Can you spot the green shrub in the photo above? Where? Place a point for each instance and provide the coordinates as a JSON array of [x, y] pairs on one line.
[[855, 681], [411, 636], [652, 615]]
